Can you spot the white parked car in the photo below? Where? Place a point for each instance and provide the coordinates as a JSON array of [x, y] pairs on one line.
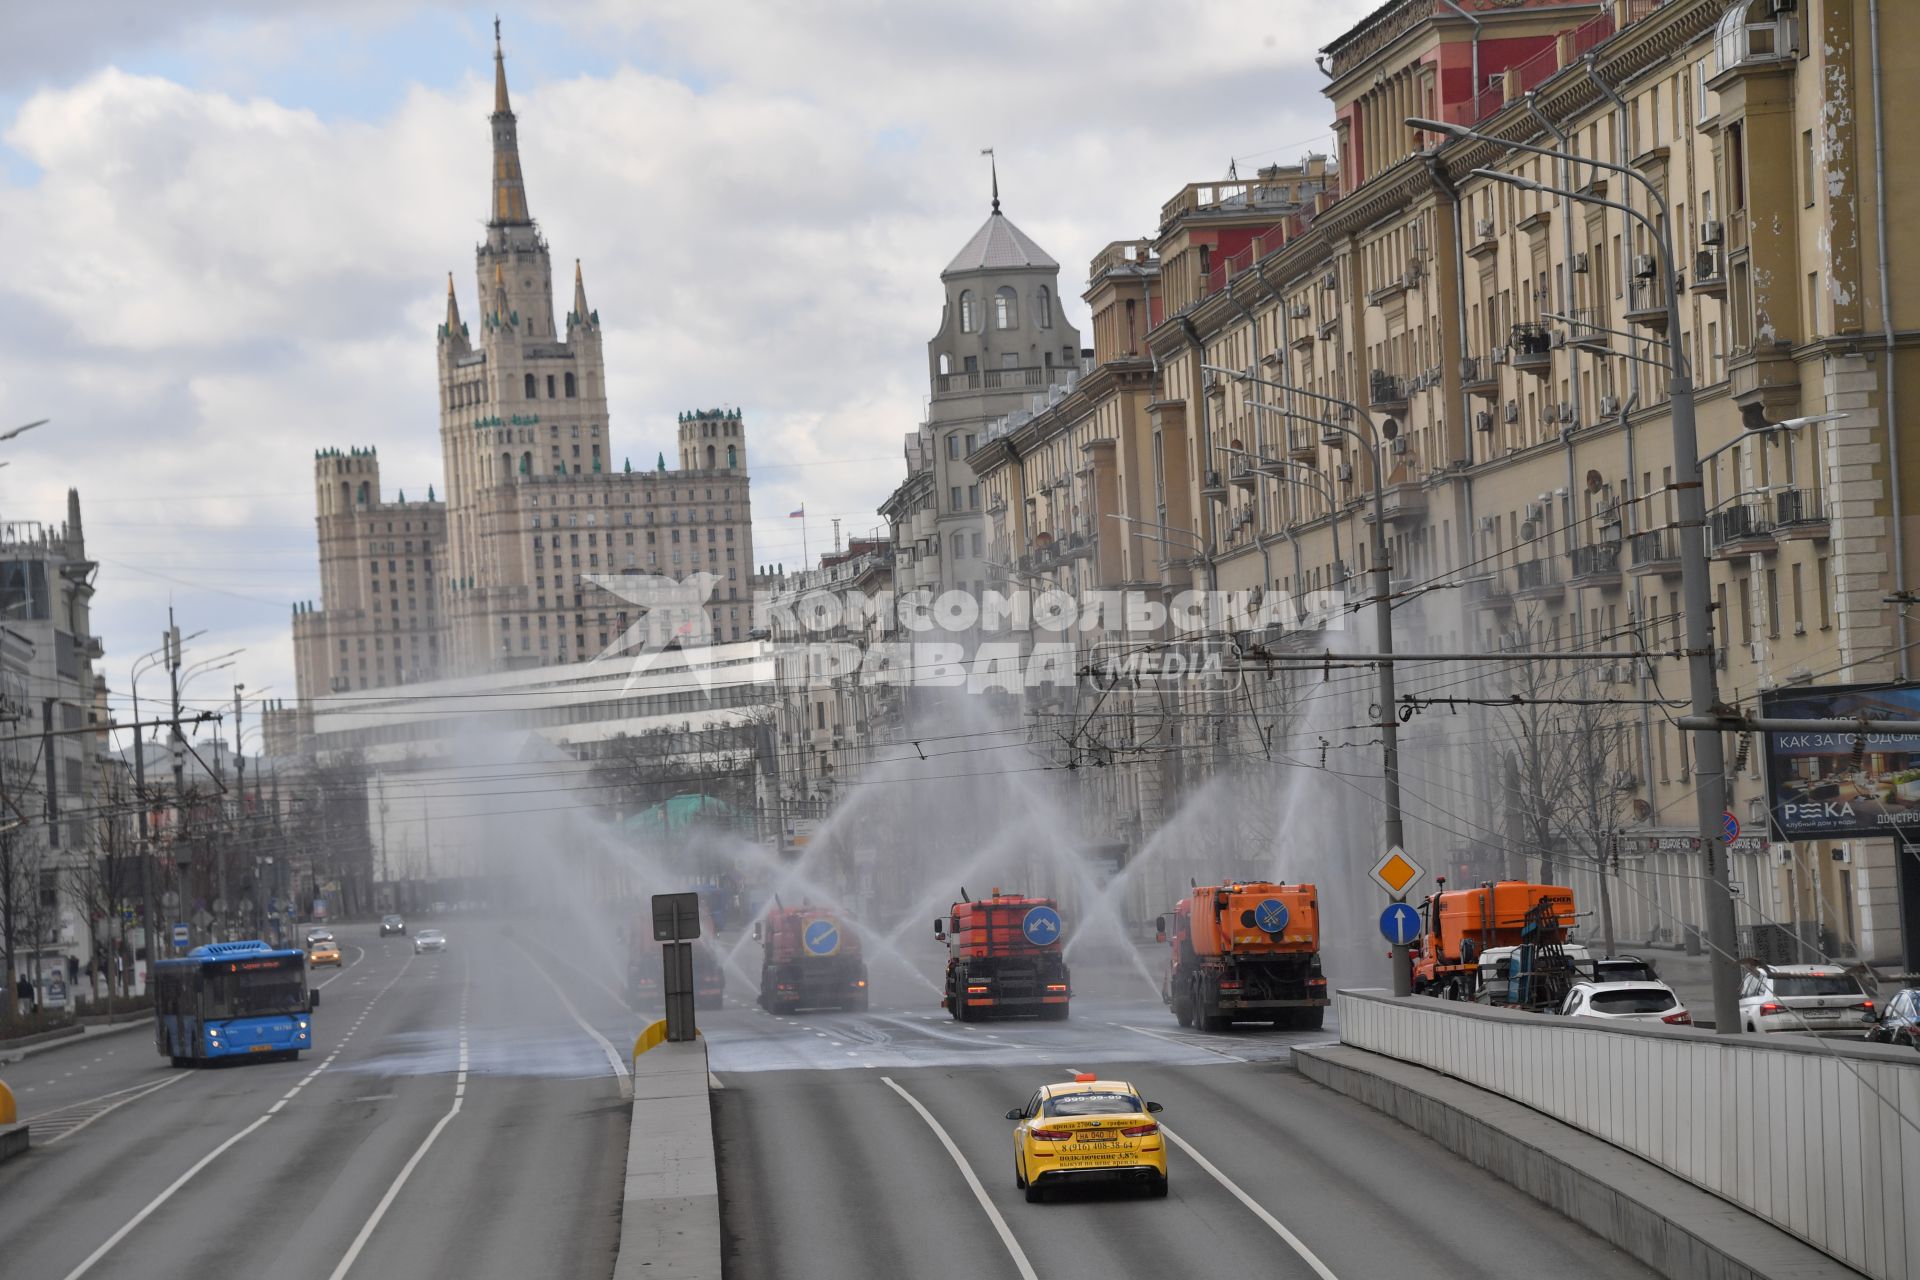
[[1803, 997], [1626, 1002]]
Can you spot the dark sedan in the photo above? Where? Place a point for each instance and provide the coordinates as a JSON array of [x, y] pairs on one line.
[[1900, 1024]]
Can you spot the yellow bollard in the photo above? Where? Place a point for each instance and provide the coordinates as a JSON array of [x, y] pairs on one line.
[[655, 1034], [8, 1114]]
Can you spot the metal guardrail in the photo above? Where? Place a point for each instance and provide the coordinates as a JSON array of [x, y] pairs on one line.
[[1808, 1135]]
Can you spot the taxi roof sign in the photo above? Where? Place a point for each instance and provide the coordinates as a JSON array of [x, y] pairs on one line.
[[1396, 872]]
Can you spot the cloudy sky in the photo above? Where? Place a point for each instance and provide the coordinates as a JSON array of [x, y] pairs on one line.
[[229, 226]]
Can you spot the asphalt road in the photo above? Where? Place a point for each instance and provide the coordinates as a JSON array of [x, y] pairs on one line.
[[833, 1133], [850, 1145], [454, 1119]]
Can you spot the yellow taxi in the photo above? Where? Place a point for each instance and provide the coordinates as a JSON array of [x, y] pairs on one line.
[[1087, 1129], [323, 951]]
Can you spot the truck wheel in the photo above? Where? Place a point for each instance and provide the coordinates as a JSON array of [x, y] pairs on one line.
[[1182, 1010], [1053, 1013], [1310, 1019], [859, 1003]]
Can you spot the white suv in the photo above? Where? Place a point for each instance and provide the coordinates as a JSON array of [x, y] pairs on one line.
[[1626, 1002], [1803, 997]]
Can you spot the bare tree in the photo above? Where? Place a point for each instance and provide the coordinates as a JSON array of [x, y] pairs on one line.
[[104, 882]]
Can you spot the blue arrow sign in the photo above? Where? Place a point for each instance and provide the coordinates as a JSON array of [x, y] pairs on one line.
[[821, 938], [1271, 916], [1041, 926], [1400, 924]]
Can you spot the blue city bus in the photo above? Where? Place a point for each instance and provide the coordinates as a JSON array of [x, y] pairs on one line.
[[232, 999]]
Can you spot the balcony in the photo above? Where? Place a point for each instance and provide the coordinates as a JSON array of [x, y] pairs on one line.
[[1245, 478], [1532, 348], [1657, 553], [1597, 565], [1647, 304], [1495, 591], [1585, 330], [1739, 530], [1766, 375], [1483, 243], [1384, 391], [1301, 446], [1479, 376], [1709, 273], [1537, 580], [1214, 487], [992, 379], [1799, 515], [1399, 503]]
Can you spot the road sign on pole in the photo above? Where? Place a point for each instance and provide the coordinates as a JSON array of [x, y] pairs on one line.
[[1396, 872], [676, 917], [180, 935], [1729, 827], [1400, 924]]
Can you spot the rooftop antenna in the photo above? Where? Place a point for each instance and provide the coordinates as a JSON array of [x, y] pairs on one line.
[[993, 165]]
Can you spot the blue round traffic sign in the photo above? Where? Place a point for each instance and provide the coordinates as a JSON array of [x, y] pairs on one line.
[[1729, 827], [821, 937], [1399, 924], [1271, 916], [1041, 926]]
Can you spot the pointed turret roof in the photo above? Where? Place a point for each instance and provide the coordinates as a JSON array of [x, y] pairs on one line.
[[509, 188], [997, 246], [580, 312], [453, 307]]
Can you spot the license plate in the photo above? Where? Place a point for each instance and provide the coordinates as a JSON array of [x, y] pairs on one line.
[[259, 1048]]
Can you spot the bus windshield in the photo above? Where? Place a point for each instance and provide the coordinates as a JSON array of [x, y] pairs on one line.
[[238, 995]]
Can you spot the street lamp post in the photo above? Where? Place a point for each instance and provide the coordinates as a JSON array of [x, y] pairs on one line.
[[1709, 751], [1389, 723]]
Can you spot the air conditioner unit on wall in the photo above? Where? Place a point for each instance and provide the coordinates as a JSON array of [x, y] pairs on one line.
[[1712, 233], [1512, 411], [1483, 420], [1580, 264], [1489, 523], [1645, 266]]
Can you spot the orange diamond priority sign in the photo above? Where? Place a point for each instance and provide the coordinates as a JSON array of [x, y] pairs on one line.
[[1396, 872]]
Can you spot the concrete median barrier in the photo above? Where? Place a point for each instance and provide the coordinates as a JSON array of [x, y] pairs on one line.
[[670, 1216]]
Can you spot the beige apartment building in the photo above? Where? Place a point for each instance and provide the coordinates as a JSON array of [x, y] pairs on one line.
[[1515, 340], [502, 574]]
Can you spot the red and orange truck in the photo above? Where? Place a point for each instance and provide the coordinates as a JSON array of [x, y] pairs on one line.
[[809, 959], [1460, 926], [1245, 952], [1004, 956]]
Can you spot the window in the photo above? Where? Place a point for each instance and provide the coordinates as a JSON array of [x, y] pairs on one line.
[[953, 497], [1806, 167], [1005, 313], [570, 387], [959, 546], [1043, 308], [532, 391], [969, 323], [946, 364]]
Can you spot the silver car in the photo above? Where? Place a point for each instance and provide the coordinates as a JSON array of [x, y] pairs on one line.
[[1626, 1001], [429, 940], [1803, 997]]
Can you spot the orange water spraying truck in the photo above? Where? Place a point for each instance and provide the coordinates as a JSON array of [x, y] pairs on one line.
[[809, 958], [1004, 956], [1460, 926], [1245, 952]]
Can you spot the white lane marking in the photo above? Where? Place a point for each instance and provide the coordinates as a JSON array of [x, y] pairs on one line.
[[339, 972], [413, 1161], [623, 1079], [146, 1084], [386, 1201], [86, 1264], [713, 1081], [979, 1192], [1187, 1044], [144, 1090], [1259, 1211]]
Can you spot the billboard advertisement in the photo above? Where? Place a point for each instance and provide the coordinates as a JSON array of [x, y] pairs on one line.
[[1831, 786]]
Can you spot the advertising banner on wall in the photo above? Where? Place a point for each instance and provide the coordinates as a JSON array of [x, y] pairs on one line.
[[1830, 786]]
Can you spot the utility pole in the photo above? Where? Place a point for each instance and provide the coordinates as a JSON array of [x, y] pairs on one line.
[[380, 786], [179, 744], [149, 900], [240, 800]]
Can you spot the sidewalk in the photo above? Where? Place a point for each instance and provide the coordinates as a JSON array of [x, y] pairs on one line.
[[87, 1035]]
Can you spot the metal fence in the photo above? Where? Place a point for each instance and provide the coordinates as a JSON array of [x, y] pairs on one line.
[[1819, 1139]]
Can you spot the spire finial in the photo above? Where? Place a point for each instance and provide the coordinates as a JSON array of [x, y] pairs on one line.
[[500, 104], [993, 164]]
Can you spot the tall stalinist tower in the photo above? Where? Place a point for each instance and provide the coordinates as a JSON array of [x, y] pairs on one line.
[[536, 507]]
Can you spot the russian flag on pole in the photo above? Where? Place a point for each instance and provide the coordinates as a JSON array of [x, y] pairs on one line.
[[797, 515]]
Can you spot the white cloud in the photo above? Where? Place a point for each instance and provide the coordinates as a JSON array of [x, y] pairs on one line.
[[219, 282]]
